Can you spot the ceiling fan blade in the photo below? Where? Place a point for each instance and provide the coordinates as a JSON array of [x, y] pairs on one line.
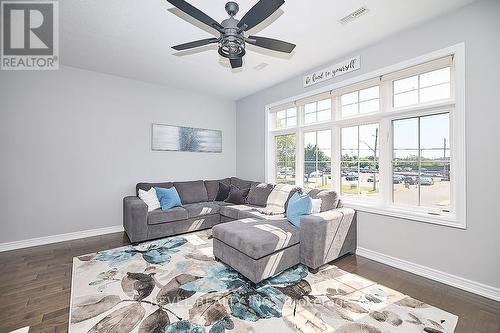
[[236, 62], [196, 43], [196, 13], [272, 44], [259, 12]]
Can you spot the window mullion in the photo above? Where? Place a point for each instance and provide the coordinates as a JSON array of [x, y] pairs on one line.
[[299, 147], [419, 177], [359, 173], [336, 158], [385, 150], [385, 162]]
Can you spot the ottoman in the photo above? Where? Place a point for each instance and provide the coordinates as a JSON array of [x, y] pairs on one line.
[[257, 248]]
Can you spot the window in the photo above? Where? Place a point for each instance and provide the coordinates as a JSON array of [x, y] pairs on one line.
[[318, 111], [286, 118], [317, 159], [422, 88], [285, 159], [390, 144], [360, 101], [359, 161], [421, 162]]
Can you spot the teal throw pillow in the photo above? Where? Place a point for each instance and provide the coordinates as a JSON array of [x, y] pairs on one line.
[[168, 197], [298, 206]]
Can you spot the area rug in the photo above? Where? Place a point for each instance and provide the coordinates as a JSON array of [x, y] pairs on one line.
[[175, 285]]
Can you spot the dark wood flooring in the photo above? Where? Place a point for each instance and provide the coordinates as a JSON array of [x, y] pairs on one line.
[[35, 287]]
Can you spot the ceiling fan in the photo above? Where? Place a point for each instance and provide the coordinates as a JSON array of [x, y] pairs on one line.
[[232, 37]]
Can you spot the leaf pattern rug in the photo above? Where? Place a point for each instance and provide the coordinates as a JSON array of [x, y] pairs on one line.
[[175, 285]]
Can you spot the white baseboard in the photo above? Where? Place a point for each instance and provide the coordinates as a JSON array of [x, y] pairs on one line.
[[59, 238], [433, 274]]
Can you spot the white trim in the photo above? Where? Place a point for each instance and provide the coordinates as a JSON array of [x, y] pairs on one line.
[[59, 238], [71, 293], [433, 274], [448, 220]]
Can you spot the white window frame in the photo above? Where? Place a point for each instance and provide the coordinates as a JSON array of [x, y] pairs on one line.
[[310, 129], [455, 105]]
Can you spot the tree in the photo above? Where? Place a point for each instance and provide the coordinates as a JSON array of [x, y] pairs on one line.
[[285, 153], [315, 160]]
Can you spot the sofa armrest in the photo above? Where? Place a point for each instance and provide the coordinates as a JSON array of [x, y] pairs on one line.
[[135, 218], [326, 236]]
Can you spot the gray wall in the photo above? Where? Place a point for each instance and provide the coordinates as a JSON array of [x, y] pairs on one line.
[[74, 142], [471, 253]]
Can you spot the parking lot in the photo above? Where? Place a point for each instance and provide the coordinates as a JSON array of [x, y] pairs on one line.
[[434, 195]]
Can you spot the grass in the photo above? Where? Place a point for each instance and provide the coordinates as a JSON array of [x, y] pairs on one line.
[[346, 188]]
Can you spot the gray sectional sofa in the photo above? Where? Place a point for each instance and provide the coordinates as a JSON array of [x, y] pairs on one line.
[[255, 244]]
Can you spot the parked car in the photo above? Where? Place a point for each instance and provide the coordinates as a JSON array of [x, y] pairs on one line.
[[426, 181], [351, 177], [316, 173], [397, 179], [410, 180]]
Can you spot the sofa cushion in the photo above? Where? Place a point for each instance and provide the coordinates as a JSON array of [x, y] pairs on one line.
[[201, 208], [192, 191], [259, 193], [148, 186], [257, 238], [329, 199], [212, 187], [170, 215], [237, 196], [233, 211], [222, 203]]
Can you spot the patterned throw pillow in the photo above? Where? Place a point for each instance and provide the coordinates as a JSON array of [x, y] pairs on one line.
[[278, 199], [150, 199]]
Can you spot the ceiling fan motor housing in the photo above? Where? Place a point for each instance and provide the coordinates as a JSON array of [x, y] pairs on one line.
[[232, 40], [232, 8]]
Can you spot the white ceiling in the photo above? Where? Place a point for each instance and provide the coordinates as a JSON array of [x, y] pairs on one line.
[[133, 39]]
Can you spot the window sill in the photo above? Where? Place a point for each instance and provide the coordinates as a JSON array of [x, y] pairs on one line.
[[448, 220]]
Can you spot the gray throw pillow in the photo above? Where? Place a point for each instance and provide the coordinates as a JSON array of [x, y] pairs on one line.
[[258, 194], [222, 192], [329, 199], [237, 196]]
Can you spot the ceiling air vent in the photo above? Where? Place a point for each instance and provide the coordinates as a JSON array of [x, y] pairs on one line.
[[354, 15]]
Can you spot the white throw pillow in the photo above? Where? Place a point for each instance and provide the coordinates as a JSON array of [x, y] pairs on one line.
[[150, 198], [316, 206]]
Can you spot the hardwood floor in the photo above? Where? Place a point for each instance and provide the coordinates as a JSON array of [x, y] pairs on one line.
[[35, 287]]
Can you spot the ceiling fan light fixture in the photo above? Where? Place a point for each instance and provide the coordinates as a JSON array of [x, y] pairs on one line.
[[232, 47]]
